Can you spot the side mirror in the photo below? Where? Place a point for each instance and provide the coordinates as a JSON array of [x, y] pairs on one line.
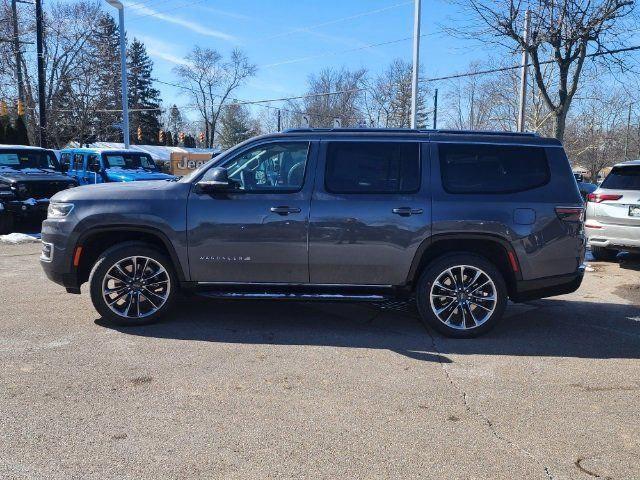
[[218, 181], [95, 168]]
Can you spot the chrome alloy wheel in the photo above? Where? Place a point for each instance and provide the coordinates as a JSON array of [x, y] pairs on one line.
[[463, 297], [136, 287]]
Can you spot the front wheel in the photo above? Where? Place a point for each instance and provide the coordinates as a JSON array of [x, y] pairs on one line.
[[461, 295], [132, 284]]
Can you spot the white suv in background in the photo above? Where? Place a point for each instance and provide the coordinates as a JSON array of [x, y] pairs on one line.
[[613, 213]]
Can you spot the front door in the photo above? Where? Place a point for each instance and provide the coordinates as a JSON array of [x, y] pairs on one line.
[[257, 232], [370, 211]]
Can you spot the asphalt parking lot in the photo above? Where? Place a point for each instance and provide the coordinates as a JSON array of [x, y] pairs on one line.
[[287, 390]]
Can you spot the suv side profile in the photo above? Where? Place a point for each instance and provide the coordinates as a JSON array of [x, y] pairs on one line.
[[463, 221]]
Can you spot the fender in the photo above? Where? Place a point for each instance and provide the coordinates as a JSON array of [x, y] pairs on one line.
[[443, 237], [142, 229]]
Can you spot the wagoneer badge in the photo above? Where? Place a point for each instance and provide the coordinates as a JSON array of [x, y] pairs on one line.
[[225, 259]]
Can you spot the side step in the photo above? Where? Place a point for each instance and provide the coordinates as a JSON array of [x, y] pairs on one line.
[[330, 293], [328, 297]]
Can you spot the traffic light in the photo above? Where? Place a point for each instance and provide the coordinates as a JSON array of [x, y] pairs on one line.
[[181, 137], [20, 108], [139, 134], [201, 136], [161, 136], [3, 108]]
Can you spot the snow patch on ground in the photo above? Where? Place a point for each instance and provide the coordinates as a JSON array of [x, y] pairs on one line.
[[17, 238]]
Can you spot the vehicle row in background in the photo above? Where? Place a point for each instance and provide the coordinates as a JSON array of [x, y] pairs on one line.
[[29, 177]]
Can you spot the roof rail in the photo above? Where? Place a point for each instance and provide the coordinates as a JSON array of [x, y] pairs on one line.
[[410, 130]]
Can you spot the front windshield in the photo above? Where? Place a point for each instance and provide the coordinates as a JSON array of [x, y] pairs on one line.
[[129, 161], [24, 159]]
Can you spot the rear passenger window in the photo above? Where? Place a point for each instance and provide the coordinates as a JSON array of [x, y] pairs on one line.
[[372, 167], [477, 168], [78, 161]]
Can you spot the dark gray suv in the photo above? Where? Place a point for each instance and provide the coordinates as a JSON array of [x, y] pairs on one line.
[[460, 220]]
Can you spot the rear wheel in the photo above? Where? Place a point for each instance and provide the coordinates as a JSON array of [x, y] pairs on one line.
[[461, 295], [604, 254], [132, 284]]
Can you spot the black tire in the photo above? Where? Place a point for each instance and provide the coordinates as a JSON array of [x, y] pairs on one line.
[[6, 223], [471, 261], [603, 254], [107, 260]]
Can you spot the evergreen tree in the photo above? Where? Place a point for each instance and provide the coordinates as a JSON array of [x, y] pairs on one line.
[[22, 137], [105, 49], [174, 123], [237, 126], [4, 120], [168, 139], [10, 135], [142, 95]]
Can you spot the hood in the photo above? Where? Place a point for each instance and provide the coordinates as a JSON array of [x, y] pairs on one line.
[[116, 174], [11, 175], [149, 190]]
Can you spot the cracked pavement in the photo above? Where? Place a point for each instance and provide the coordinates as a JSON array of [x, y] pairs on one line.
[[289, 390]]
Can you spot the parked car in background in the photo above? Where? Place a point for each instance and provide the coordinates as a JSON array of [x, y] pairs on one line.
[[613, 212], [91, 165], [461, 220], [585, 187], [29, 177]]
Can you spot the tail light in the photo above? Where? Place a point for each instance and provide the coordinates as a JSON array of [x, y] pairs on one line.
[[570, 214], [601, 197]]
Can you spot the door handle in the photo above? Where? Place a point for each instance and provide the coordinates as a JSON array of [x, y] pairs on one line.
[[285, 210], [407, 211]]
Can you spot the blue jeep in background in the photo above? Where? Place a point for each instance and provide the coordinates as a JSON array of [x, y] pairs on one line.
[[94, 165]]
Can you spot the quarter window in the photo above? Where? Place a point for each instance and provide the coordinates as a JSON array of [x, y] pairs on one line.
[[372, 167], [474, 168], [271, 167]]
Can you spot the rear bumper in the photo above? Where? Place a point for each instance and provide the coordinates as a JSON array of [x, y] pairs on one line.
[[548, 286], [612, 236]]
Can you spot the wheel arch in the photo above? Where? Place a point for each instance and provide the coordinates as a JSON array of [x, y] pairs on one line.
[[98, 239], [495, 249]]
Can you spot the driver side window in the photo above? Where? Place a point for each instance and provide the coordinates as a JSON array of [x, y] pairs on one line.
[[272, 167]]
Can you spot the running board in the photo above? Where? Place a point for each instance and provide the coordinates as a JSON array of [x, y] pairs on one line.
[[327, 297]]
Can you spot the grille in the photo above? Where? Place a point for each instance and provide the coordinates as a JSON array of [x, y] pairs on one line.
[[40, 190]]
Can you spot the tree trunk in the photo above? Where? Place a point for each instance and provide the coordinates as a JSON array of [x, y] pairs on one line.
[[559, 123]]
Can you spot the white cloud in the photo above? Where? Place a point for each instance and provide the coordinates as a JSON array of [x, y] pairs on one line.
[[161, 49], [143, 10]]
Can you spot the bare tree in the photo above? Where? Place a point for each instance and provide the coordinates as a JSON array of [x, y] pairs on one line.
[[562, 31], [211, 81]]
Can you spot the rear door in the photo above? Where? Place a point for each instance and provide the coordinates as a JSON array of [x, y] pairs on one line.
[[619, 197], [370, 211]]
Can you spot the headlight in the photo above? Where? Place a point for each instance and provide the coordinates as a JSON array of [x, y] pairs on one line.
[[59, 210]]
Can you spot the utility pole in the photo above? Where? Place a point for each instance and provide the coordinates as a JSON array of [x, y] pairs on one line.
[[435, 110], [278, 119], [524, 70], [416, 61], [41, 88], [626, 138], [18, 54]]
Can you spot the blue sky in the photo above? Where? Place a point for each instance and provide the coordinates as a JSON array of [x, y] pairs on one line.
[[289, 40]]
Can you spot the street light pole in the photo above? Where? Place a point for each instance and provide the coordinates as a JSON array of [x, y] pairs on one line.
[[416, 61], [42, 105], [123, 72]]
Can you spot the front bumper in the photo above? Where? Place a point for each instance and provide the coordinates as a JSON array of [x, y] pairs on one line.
[[548, 286], [57, 257], [612, 236], [27, 207]]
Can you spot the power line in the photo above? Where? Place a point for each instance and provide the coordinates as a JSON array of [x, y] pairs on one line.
[[328, 54], [337, 20]]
